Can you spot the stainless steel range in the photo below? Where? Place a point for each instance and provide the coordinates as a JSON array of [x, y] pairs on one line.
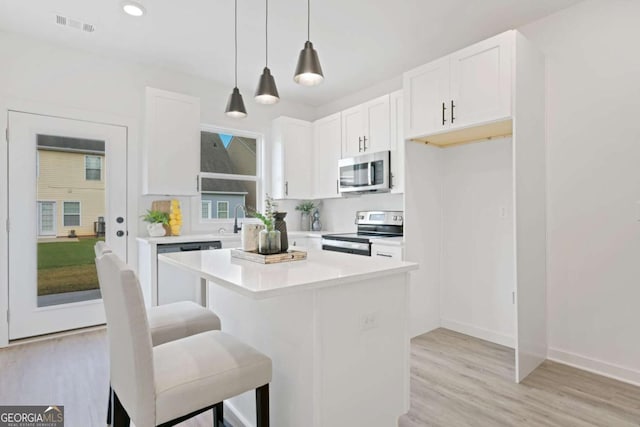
[[371, 224]]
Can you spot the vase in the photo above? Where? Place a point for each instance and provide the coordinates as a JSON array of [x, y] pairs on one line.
[[156, 229], [281, 226], [249, 236], [269, 242], [305, 221]]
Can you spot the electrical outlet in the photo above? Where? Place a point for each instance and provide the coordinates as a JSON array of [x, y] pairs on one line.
[[369, 321]]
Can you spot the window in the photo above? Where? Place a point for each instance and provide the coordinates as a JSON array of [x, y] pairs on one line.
[[92, 168], [71, 214], [206, 209], [229, 172], [223, 209]]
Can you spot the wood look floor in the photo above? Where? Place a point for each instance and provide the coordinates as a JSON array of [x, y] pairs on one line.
[[456, 381]]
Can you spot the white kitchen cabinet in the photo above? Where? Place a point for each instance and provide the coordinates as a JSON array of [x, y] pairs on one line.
[[305, 242], [471, 87], [292, 171], [171, 148], [366, 127], [386, 251], [481, 82], [476, 214], [397, 141], [426, 92], [327, 145]]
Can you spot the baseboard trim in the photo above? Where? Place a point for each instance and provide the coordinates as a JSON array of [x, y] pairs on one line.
[[610, 370], [474, 331]]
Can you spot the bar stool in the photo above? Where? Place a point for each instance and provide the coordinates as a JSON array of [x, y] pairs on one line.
[[166, 384]]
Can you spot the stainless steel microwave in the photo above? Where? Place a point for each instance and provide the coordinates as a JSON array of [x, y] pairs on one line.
[[366, 173]]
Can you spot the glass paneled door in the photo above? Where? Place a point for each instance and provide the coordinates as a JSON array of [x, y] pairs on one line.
[[67, 190]]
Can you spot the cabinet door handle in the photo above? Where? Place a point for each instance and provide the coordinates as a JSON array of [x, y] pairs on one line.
[[337, 186], [365, 143], [391, 180], [384, 255], [197, 184], [359, 144], [443, 110], [286, 188], [452, 107]]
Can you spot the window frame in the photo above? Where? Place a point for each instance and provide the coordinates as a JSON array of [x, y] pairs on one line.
[[64, 202], [226, 202], [196, 216], [209, 208], [86, 157]]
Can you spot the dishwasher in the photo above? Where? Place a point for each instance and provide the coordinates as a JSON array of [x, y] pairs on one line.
[[175, 284]]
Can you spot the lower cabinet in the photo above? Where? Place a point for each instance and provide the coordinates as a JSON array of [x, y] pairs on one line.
[[386, 251], [305, 242]]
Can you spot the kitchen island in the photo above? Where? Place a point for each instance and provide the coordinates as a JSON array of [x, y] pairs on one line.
[[335, 326]]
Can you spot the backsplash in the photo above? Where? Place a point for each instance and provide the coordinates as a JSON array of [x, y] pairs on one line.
[[338, 215]]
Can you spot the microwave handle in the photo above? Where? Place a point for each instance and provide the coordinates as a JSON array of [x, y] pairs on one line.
[[371, 170]]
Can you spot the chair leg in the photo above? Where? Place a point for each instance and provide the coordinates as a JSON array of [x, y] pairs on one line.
[[120, 416], [218, 415], [262, 406], [109, 406]]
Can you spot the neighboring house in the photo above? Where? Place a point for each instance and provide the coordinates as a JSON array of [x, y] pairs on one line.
[[71, 185], [219, 197]]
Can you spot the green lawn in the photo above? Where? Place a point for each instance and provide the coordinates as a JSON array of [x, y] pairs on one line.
[[66, 266]]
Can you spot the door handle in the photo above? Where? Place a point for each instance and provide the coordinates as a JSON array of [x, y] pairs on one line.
[[364, 143], [286, 188], [337, 186], [443, 110], [452, 107], [359, 144], [119, 233]]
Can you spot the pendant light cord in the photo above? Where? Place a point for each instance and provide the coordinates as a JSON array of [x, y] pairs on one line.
[[236, 43], [266, 35], [308, 20]]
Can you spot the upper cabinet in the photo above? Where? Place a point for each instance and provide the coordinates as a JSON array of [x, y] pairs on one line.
[[366, 127], [397, 141], [469, 88], [171, 147], [327, 139], [292, 162]]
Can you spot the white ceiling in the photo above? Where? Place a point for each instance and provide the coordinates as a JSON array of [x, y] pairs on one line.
[[360, 42]]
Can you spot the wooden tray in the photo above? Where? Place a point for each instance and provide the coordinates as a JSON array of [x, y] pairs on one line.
[[269, 259]]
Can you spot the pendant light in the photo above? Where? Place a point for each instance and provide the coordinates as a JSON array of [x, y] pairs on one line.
[[235, 106], [267, 92], [308, 71]]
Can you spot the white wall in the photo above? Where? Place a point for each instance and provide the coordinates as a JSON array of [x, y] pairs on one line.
[[593, 103], [477, 240]]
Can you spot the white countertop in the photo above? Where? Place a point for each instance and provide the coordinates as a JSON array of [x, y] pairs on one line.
[[189, 238], [320, 269]]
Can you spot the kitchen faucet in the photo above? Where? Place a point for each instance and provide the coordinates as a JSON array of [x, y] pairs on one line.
[[237, 228]]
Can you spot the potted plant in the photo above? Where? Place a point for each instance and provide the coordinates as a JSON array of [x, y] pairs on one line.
[[157, 220], [305, 208], [269, 238]]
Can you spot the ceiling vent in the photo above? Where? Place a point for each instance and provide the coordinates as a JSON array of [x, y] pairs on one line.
[[76, 24]]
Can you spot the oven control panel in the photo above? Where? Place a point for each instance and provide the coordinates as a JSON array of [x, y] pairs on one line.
[[380, 218]]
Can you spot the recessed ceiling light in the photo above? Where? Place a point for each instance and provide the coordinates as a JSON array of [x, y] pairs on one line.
[[132, 8]]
